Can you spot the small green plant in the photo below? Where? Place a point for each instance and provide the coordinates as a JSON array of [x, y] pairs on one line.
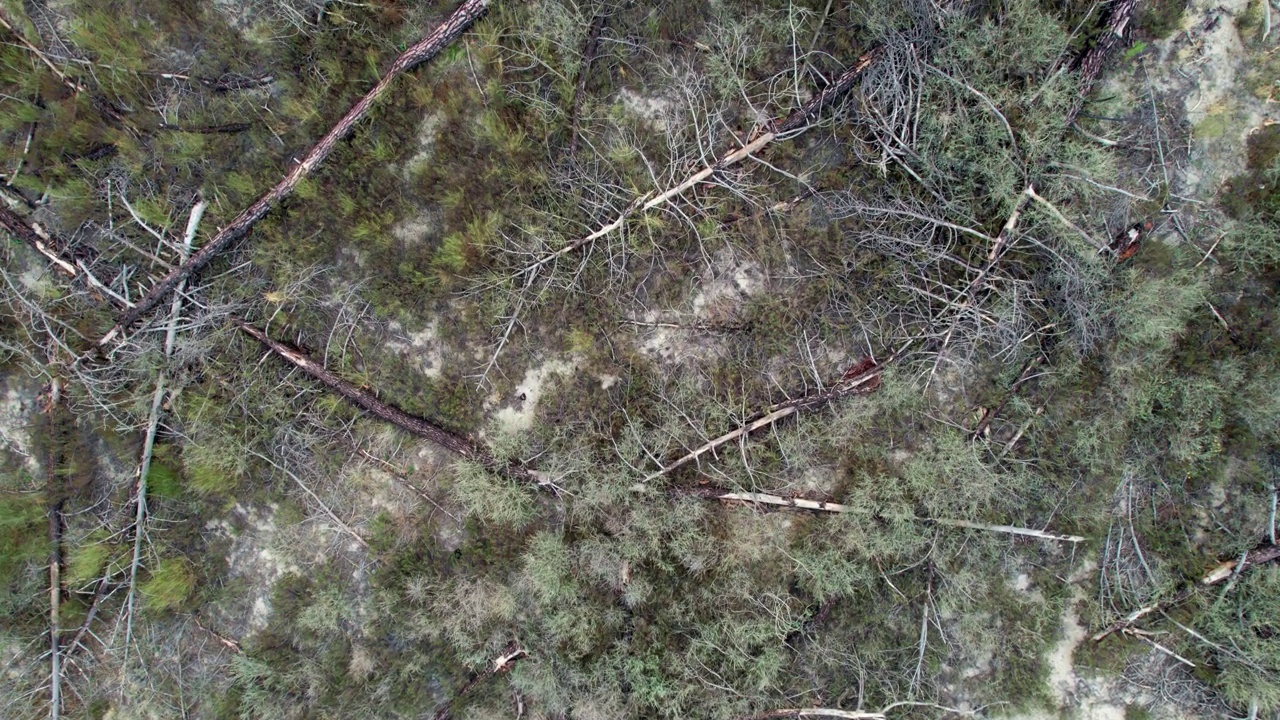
[[171, 582]]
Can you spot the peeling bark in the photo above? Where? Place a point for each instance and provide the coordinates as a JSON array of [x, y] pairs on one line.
[[1122, 12]]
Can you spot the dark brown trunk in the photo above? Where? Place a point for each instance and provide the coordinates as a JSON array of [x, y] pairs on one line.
[[367, 401], [229, 128], [423, 51], [1091, 64], [830, 94], [588, 57]]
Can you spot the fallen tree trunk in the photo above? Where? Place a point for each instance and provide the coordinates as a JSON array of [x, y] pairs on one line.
[[57, 497], [588, 57], [367, 401], [881, 714], [723, 495], [1228, 569], [816, 712], [791, 123], [1257, 556], [991, 413], [500, 664], [153, 426], [829, 94], [55, 604], [424, 50], [1091, 64], [863, 377]]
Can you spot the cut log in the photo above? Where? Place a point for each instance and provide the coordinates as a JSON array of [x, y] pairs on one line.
[[421, 52]]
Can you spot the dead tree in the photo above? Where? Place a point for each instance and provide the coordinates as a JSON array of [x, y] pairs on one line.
[[816, 712], [57, 499], [1258, 556], [37, 238], [1113, 37], [863, 377], [421, 52], [365, 400], [153, 424], [502, 663], [779, 129], [526, 277], [798, 503], [588, 57]]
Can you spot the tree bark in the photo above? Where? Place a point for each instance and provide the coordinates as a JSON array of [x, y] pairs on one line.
[[367, 401], [588, 57], [424, 50], [863, 377], [1091, 64]]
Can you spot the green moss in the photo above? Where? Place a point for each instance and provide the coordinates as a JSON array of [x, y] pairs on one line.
[[163, 481], [87, 560], [1112, 655], [1250, 23], [1136, 712], [23, 536]]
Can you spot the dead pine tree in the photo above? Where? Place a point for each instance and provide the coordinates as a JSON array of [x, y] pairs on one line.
[[57, 498], [526, 278], [366, 400], [419, 53], [861, 378], [1118, 22], [153, 424]]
